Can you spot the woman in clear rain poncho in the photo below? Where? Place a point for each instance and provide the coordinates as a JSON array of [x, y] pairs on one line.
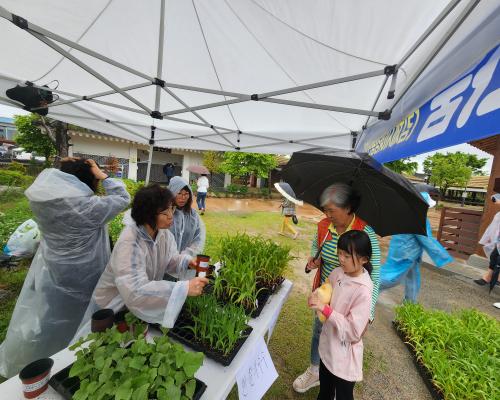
[[73, 252], [142, 255], [405, 255], [187, 227]]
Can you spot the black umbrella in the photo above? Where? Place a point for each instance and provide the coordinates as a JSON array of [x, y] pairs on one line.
[[424, 187], [390, 204]]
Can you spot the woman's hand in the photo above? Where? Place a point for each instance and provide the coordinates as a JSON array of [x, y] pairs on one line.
[[98, 174], [196, 286], [314, 303], [313, 263]]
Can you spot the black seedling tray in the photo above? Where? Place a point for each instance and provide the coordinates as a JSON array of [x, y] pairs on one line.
[[67, 387], [421, 368], [183, 335]]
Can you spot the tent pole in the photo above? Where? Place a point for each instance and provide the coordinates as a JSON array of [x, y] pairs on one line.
[[161, 37], [205, 106], [449, 33], [96, 74], [32, 28], [446, 11], [205, 90], [197, 115], [323, 83], [322, 107], [150, 156], [77, 97], [186, 121]]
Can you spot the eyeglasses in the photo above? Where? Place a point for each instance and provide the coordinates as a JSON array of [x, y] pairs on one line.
[[168, 212]]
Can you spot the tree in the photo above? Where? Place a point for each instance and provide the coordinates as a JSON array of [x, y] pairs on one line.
[[31, 138], [39, 134], [402, 166], [242, 164], [446, 170], [213, 160]]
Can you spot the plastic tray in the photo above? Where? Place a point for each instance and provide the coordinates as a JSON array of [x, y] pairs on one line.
[[66, 386], [186, 337], [421, 368]]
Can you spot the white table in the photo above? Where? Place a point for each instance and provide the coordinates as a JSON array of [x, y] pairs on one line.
[[219, 379]]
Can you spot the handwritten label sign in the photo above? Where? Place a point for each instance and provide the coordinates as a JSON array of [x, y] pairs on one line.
[[257, 374]]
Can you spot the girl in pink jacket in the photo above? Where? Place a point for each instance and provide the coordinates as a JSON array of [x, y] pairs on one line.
[[347, 316]]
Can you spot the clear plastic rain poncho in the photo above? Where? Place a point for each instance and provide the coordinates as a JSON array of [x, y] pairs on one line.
[[491, 236], [405, 255], [133, 278], [187, 227], [73, 252]]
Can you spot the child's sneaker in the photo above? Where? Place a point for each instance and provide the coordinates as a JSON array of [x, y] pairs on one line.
[[307, 380]]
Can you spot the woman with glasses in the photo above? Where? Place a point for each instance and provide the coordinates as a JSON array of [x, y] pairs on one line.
[[144, 252], [187, 227], [339, 202]]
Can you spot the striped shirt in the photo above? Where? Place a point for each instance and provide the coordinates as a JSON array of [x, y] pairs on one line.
[[331, 259]]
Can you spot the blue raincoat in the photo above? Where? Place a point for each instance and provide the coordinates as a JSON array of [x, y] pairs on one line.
[[404, 258]]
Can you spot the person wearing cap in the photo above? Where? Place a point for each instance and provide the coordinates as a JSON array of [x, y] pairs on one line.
[[405, 255], [491, 246]]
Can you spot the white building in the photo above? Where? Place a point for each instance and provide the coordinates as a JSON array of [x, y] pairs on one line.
[[133, 156]]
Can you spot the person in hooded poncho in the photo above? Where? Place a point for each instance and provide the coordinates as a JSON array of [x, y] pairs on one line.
[[405, 255], [144, 252], [187, 227], [73, 252]]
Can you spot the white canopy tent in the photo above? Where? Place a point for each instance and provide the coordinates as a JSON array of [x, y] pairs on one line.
[[270, 76]]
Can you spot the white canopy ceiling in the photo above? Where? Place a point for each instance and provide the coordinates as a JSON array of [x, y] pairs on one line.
[[225, 51]]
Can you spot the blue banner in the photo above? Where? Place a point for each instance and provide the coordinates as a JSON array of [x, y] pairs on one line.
[[466, 110]]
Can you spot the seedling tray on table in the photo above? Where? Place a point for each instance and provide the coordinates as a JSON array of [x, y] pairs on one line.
[[182, 334], [421, 368], [262, 297], [67, 387]]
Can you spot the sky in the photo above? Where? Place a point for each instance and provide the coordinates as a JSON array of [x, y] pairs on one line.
[[6, 111]]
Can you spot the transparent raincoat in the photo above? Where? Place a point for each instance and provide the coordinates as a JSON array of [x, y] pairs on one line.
[[405, 255], [187, 227], [73, 252], [133, 278], [491, 236]]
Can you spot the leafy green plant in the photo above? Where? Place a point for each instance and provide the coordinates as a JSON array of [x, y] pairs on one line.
[[218, 326], [14, 178], [17, 166], [132, 186], [461, 350], [107, 370], [237, 189]]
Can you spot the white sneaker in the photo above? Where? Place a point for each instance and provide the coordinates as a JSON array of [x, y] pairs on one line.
[[306, 381]]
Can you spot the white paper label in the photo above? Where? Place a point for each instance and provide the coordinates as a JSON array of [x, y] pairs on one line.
[[202, 274], [257, 373], [31, 387], [203, 264]]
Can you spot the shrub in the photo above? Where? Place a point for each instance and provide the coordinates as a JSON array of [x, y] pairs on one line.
[[14, 178], [132, 186], [15, 166], [237, 189]]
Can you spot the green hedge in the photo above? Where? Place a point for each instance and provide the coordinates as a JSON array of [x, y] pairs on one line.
[[14, 178], [461, 349]]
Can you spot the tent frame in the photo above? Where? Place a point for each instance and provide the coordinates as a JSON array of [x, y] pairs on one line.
[[49, 38]]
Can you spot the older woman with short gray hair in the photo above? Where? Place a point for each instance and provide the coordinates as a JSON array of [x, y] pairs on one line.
[[339, 203]]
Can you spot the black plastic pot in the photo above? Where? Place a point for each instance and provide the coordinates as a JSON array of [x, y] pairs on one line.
[[183, 335], [67, 387], [421, 368], [102, 320]]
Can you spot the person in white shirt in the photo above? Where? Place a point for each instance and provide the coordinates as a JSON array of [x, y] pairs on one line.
[[201, 194]]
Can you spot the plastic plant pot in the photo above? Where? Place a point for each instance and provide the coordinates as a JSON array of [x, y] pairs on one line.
[[102, 320], [202, 265], [35, 377]]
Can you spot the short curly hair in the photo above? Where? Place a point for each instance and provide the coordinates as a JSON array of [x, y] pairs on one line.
[[148, 202]]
